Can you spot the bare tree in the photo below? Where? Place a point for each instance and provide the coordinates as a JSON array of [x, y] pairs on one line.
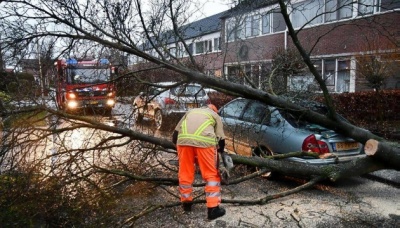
[[93, 153]]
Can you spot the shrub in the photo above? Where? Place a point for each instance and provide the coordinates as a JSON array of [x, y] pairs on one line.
[[29, 199]]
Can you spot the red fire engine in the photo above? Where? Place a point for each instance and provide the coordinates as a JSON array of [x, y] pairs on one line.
[[85, 84]]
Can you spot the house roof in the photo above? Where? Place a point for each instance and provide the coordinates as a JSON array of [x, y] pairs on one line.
[[203, 26], [245, 6], [195, 29]]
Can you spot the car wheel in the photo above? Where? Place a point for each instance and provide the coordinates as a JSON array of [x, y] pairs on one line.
[[137, 117], [158, 119], [262, 151]]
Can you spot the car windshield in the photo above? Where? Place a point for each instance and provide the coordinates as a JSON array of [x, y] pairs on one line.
[[188, 91], [85, 76]]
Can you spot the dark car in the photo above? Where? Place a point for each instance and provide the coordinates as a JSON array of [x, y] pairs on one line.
[[254, 126]]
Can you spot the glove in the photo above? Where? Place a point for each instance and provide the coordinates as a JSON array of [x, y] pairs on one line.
[[223, 171]]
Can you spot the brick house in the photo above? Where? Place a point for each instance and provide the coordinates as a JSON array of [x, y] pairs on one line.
[[338, 34]]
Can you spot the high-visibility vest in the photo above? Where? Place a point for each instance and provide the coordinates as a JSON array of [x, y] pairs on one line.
[[197, 135]]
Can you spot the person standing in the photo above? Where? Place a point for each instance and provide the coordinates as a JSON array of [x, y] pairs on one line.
[[200, 135]]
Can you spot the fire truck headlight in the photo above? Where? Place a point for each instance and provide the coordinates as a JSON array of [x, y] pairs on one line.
[[110, 102], [72, 104], [71, 95]]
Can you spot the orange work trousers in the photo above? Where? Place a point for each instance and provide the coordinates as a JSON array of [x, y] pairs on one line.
[[207, 159]]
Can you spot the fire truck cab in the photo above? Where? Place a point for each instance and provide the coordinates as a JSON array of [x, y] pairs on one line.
[[85, 84]]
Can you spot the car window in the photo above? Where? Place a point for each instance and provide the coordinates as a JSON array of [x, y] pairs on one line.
[[300, 122], [188, 91], [154, 91], [257, 112], [234, 109]]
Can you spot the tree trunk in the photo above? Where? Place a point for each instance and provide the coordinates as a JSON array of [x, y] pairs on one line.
[[390, 154], [332, 172]]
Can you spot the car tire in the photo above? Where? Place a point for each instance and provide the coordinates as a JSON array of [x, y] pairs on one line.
[[137, 117], [262, 151], [159, 120]]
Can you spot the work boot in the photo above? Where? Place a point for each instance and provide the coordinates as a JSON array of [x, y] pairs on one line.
[[215, 212], [187, 206]]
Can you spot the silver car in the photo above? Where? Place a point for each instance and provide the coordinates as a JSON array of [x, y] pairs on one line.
[[252, 128], [163, 103]]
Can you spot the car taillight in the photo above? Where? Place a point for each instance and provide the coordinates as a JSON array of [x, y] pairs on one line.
[[169, 101], [314, 145]]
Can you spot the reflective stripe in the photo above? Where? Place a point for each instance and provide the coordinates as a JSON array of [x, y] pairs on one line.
[[203, 126], [214, 183], [183, 186], [184, 127], [197, 134], [186, 196], [213, 194], [198, 138]]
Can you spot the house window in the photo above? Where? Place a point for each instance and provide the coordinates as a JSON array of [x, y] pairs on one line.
[[365, 7], [208, 45], [338, 9], [266, 23], [235, 74], [255, 26], [248, 26], [203, 46], [252, 25], [329, 72], [199, 47], [217, 44], [343, 76], [307, 12], [389, 5], [278, 23], [230, 31], [240, 30], [272, 22]]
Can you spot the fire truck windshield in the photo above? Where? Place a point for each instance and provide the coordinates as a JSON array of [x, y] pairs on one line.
[[88, 76]]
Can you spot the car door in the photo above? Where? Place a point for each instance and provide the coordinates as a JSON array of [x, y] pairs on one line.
[[254, 126], [231, 116]]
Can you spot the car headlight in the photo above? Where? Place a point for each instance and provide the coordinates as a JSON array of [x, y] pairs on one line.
[[110, 102], [72, 104]]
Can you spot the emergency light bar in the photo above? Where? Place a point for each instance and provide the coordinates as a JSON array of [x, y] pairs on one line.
[[72, 61]]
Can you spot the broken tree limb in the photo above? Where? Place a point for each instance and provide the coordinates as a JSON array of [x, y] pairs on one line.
[[332, 172], [385, 152]]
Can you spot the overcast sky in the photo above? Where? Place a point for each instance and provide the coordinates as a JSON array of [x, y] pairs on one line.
[[211, 7]]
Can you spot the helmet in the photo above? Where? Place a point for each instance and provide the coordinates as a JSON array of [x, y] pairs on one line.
[[212, 107]]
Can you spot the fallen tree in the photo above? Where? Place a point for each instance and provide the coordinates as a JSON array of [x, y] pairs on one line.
[[128, 155]]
